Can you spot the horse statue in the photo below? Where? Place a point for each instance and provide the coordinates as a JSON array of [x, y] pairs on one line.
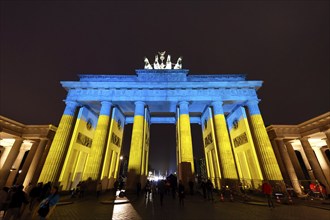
[[168, 62], [156, 63], [147, 65], [178, 64]]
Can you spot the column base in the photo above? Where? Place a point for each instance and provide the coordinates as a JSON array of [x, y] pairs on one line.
[[185, 174], [133, 178]]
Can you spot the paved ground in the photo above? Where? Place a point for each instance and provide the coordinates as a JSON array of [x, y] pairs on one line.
[[195, 207]]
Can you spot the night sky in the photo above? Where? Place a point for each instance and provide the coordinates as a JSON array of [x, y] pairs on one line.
[[285, 44]]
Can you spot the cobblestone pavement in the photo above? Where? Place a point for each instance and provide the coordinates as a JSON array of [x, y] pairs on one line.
[[195, 207]]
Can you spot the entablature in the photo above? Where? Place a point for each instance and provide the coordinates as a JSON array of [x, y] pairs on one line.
[[161, 95], [70, 85]]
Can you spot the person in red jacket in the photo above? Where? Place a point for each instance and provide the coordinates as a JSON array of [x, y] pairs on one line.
[[267, 190]]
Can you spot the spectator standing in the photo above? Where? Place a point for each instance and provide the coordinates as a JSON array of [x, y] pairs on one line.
[[98, 189], [161, 191], [14, 208], [4, 199], [209, 188], [267, 190], [34, 195], [181, 193], [49, 202]]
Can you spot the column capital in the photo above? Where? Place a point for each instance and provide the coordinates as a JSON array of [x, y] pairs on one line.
[[139, 103], [304, 138], [252, 102], [106, 102], [326, 131], [105, 108], [139, 108], [288, 141], [71, 107], [217, 107], [253, 107], [218, 102], [184, 107], [71, 103], [183, 103]]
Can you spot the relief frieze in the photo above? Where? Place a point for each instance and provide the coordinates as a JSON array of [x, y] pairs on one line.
[[125, 94]]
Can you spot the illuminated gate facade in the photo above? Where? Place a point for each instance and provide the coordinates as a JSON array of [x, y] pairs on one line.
[[89, 138]]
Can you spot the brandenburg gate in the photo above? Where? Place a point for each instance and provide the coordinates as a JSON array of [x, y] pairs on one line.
[[89, 137]]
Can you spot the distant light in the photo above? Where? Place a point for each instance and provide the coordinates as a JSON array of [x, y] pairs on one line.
[[20, 171], [121, 157]]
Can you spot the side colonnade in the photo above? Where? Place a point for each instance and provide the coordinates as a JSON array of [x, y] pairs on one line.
[[303, 154], [23, 150]]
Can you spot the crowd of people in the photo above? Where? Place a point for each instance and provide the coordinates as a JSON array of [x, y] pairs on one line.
[[39, 200], [175, 189]]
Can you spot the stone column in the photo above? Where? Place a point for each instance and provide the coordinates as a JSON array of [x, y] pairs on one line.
[[327, 134], [227, 162], [135, 155], [4, 155], [35, 161], [269, 166], [41, 162], [16, 171], [317, 171], [27, 163], [94, 161], [308, 166], [294, 160], [186, 166], [289, 167], [323, 163], [280, 161], [5, 170], [57, 152]]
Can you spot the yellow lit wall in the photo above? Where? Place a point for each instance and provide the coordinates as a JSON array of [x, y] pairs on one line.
[[244, 149], [209, 140], [79, 148], [111, 160]]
